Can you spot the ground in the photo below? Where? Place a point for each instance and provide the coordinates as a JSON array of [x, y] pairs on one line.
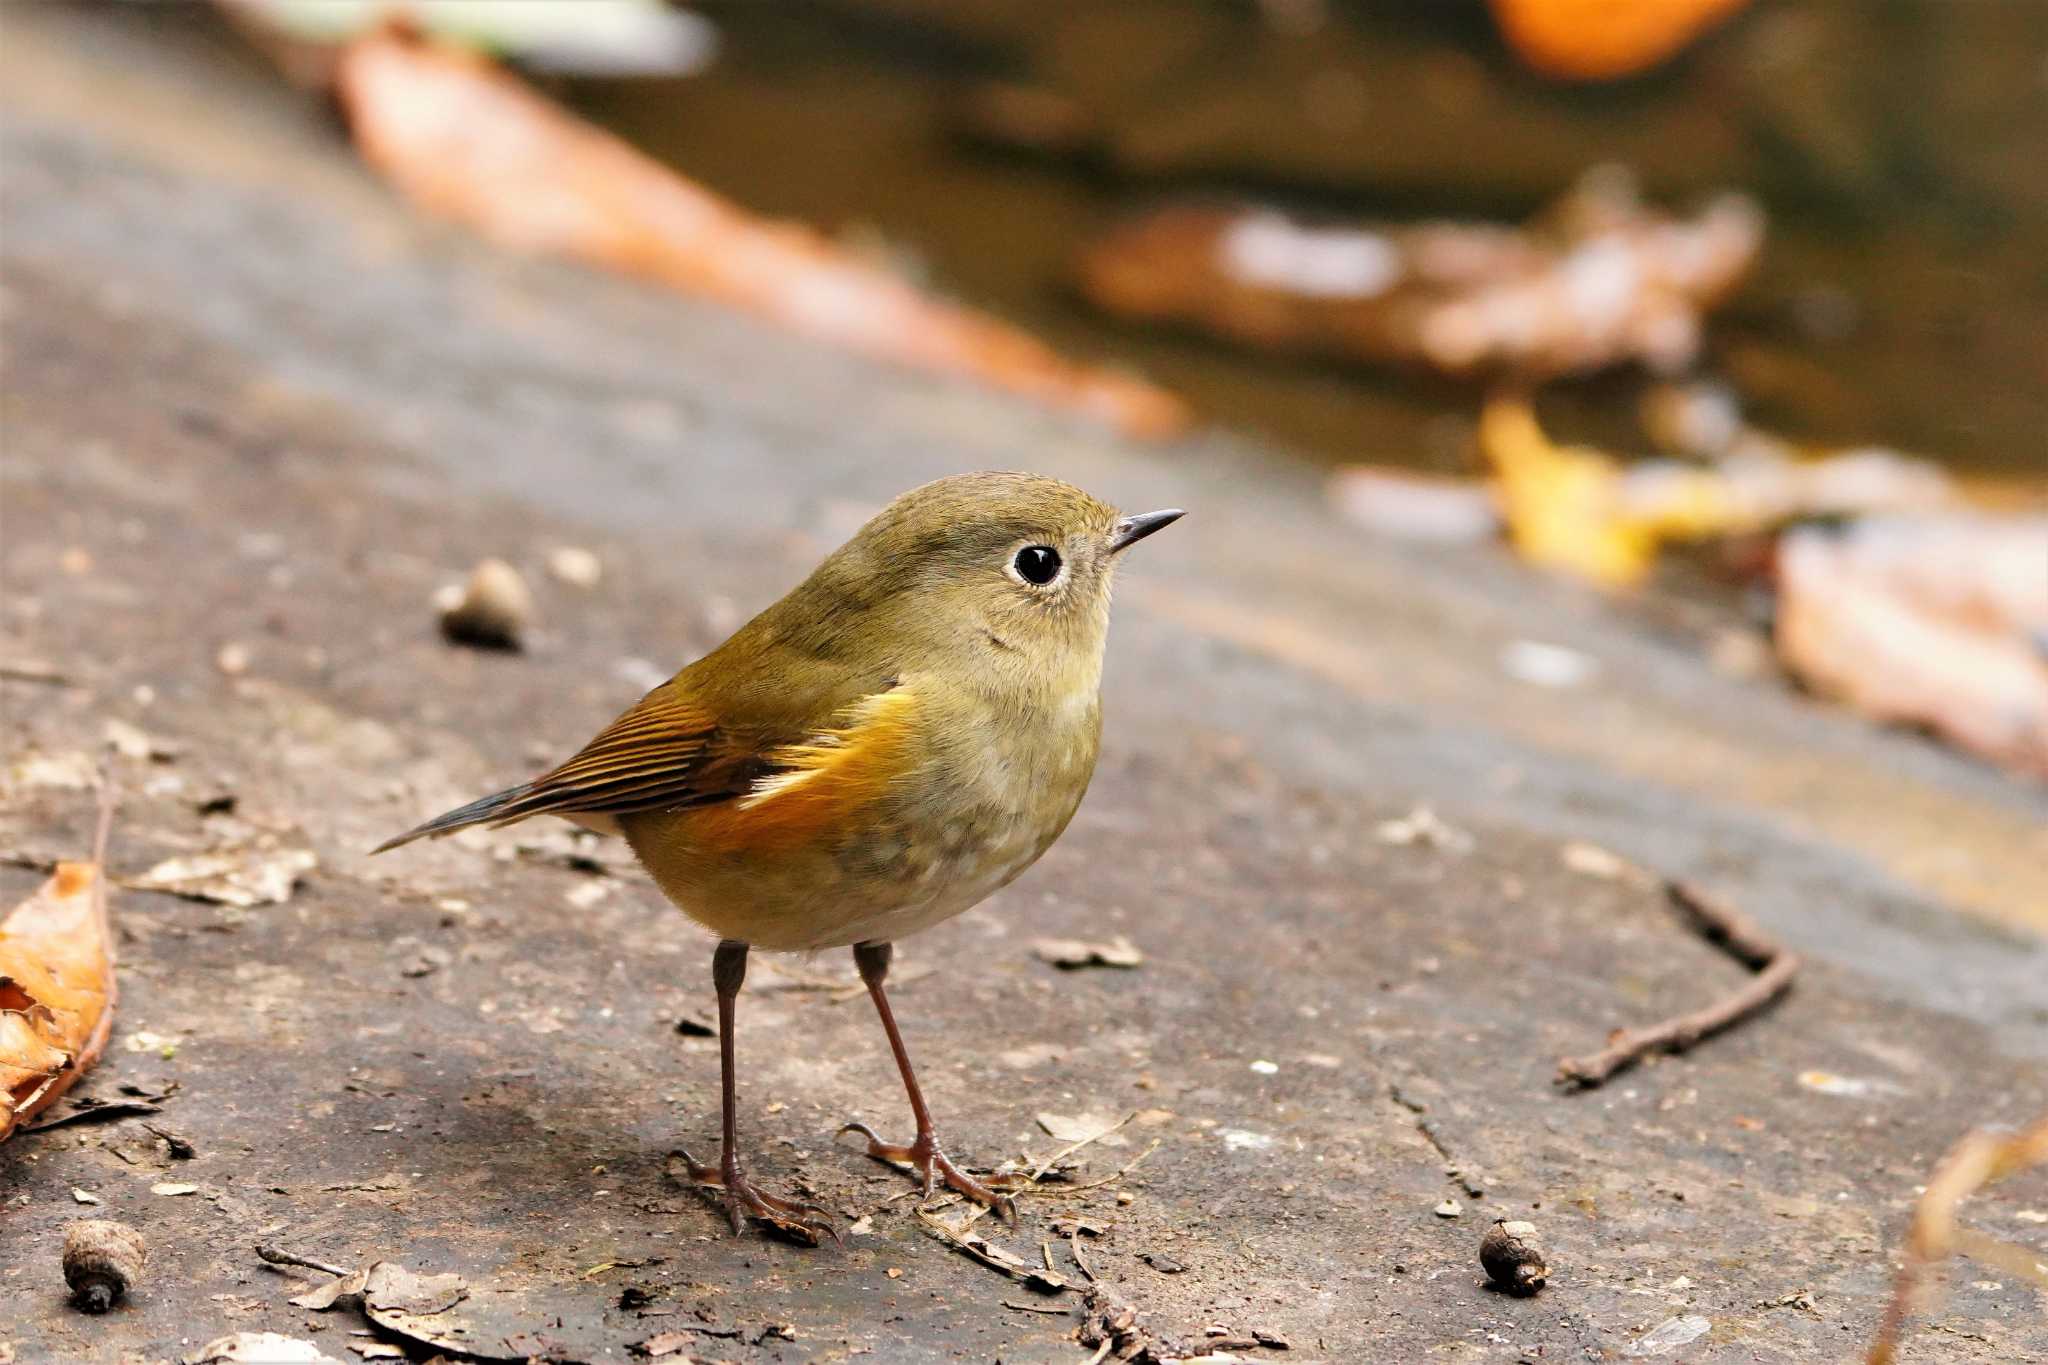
[[252, 402]]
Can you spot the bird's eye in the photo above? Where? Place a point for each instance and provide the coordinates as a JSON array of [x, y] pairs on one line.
[[1038, 564]]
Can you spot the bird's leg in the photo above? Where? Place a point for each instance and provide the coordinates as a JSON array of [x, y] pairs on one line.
[[922, 1154], [728, 971]]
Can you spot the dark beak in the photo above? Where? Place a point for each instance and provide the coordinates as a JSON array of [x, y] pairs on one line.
[[1131, 530]]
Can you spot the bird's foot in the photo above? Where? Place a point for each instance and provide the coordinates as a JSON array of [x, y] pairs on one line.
[[801, 1222], [934, 1166]]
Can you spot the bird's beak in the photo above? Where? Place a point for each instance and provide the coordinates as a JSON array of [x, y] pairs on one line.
[[1133, 529]]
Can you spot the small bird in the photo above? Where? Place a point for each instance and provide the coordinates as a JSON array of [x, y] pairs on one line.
[[902, 735]]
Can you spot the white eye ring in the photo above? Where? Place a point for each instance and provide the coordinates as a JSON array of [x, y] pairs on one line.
[[1037, 565]]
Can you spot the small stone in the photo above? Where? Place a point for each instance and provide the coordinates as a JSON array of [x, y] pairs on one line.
[[490, 611], [577, 567], [1450, 1208], [1512, 1259], [232, 659], [1591, 860]]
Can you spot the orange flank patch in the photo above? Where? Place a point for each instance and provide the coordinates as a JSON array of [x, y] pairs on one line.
[[821, 783]]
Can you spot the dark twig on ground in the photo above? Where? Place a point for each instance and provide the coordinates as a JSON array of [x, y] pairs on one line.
[[1743, 939]]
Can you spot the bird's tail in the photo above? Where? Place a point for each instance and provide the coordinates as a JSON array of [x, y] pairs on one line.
[[482, 811]]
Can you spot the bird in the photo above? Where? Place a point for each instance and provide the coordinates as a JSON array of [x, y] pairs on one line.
[[895, 740]]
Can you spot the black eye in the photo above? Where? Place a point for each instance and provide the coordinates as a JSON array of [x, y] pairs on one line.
[[1038, 564]]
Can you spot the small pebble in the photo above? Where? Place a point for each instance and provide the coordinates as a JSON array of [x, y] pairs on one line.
[[577, 567], [1450, 1208], [490, 611]]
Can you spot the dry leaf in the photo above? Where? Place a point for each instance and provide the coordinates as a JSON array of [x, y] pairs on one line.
[[417, 1307], [663, 1343], [466, 140], [1083, 1128], [1933, 622], [256, 874], [1598, 280], [1071, 953], [1578, 509], [56, 985], [260, 1348], [1597, 40], [72, 771]]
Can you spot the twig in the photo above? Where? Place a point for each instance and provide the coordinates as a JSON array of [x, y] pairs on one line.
[[36, 671], [84, 1112], [1113, 1176], [273, 1255], [1063, 1153], [1743, 939], [1971, 1164], [995, 1257]]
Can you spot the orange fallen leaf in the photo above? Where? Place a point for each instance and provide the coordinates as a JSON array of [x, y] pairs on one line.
[[56, 986], [467, 140], [1595, 40]]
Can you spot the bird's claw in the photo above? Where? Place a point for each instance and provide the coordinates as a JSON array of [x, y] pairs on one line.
[[925, 1158], [806, 1223]]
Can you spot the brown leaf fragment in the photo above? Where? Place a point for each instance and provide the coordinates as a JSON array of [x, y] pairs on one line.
[[467, 140], [417, 1307], [663, 1344], [56, 985], [260, 873], [1929, 621], [1599, 279], [259, 1348], [1073, 953]]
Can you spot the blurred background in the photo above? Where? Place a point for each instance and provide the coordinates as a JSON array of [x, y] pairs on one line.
[[1743, 299]]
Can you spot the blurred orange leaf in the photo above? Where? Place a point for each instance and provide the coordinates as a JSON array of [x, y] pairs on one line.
[[1595, 40], [467, 140], [56, 987]]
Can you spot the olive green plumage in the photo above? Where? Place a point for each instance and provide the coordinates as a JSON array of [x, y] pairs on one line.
[[902, 734]]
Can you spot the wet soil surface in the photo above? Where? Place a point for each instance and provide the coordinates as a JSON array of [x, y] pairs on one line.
[[249, 402]]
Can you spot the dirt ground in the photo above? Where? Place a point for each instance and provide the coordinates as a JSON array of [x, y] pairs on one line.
[[256, 413]]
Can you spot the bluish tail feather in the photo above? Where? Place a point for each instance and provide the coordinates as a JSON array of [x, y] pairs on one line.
[[478, 812]]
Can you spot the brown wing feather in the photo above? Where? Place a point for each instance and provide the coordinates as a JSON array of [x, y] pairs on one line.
[[664, 752]]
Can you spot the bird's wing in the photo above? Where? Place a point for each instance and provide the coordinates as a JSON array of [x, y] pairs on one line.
[[816, 785], [668, 753]]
